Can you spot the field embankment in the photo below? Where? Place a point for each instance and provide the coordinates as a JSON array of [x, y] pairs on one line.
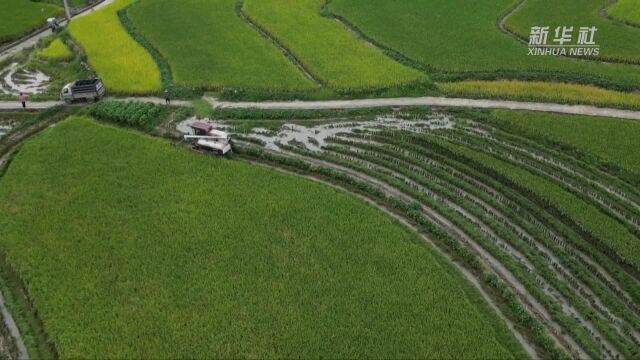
[[327, 49], [458, 39], [207, 45]]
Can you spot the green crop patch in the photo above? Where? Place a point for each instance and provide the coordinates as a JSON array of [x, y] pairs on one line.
[[458, 36], [614, 140], [208, 46], [326, 48], [158, 252], [19, 17], [617, 42], [627, 11], [124, 65], [56, 51]]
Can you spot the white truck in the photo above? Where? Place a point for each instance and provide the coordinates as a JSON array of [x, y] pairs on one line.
[[89, 90]]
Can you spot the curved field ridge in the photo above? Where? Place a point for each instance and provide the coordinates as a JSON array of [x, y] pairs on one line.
[[208, 46], [124, 65], [326, 48], [542, 92], [461, 36], [170, 254], [627, 11], [618, 42], [606, 138], [19, 17]]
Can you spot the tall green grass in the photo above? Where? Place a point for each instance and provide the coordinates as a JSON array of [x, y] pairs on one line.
[[462, 37], [124, 65], [208, 46], [542, 91], [19, 17], [627, 11], [326, 48], [131, 248]]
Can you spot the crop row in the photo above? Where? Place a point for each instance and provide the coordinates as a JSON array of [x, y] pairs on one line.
[[502, 233], [508, 301]]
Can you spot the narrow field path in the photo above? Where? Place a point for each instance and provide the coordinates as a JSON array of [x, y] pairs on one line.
[[431, 101], [373, 103]]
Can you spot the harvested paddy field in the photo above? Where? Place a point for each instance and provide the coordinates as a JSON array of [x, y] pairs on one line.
[[159, 252]]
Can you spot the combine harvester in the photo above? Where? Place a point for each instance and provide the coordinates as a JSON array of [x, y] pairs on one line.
[[209, 140]]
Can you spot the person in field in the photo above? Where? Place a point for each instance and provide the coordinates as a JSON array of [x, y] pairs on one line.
[[167, 96], [23, 100]]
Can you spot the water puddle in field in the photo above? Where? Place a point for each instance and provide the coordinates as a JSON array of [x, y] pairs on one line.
[[15, 80], [5, 129], [314, 138]]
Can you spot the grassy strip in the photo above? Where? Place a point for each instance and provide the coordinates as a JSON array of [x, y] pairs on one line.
[[506, 299], [543, 92], [347, 64], [124, 65]]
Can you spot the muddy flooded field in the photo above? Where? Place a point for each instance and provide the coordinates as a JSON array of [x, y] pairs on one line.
[[15, 79], [314, 137]]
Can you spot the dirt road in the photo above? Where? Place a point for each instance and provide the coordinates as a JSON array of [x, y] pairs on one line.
[[431, 101]]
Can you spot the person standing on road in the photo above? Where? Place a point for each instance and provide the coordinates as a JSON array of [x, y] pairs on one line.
[[167, 97], [23, 100]]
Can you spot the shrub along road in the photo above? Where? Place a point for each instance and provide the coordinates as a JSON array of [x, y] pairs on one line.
[[373, 103]]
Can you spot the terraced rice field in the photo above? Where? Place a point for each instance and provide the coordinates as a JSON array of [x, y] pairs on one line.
[[135, 259], [555, 232], [587, 137], [626, 10], [462, 37], [19, 17], [618, 42], [334, 55], [123, 64], [217, 49]]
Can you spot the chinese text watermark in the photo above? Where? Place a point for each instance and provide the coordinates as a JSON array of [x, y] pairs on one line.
[[563, 41]]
